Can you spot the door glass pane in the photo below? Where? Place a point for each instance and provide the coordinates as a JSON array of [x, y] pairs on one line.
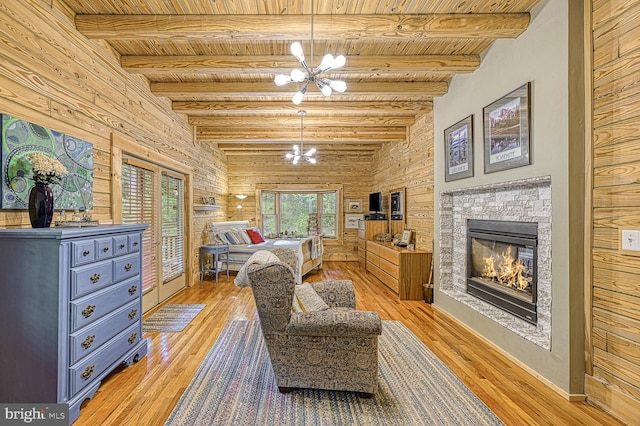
[[172, 230], [138, 200]]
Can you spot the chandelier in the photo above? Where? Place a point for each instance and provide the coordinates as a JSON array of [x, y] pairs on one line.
[[309, 75], [298, 151]]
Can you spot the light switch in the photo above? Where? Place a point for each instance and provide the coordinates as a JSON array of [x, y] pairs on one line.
[[631, 240]]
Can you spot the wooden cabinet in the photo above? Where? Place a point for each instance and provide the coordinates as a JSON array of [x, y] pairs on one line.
[[402, 270], [367, 230], [70, 309]]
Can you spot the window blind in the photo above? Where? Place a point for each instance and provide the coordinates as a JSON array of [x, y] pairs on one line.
[[172, 229], [138, 200]]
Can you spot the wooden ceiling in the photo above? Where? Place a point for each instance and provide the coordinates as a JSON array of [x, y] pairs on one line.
[[216, 60]]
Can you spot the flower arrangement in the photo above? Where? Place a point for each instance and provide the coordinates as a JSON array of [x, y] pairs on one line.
[[47, 170]]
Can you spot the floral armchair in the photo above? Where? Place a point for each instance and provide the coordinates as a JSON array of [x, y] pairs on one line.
[[335, 348]]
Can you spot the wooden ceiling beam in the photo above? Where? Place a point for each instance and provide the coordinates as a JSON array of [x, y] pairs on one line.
[[296, 27], [244, 121], [286, 108], [379, 89], [238, 148], [269, 64], [369, 134]]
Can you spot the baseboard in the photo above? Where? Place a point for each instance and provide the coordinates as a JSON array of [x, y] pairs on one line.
[[611, 400], [574, 397]]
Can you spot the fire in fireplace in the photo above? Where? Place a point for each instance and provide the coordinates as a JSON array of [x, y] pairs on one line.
[[502, 265]]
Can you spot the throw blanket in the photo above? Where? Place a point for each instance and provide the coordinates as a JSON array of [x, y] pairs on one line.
[[316, 247]]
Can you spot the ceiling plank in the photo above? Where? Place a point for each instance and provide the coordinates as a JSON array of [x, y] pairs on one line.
[[325, 108], [267, 64], [296, 27], [241, 148], [370, 134], [309, 120], [380, 89]]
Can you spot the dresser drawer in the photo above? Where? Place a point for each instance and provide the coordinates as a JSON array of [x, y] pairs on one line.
[[390, 268], [104, 248], [390, 254], [86, 370], [89, 278], [126, 266], [120, 245], [82, 252], [89, 308], [373, 248], [85, 341], [135, 241]]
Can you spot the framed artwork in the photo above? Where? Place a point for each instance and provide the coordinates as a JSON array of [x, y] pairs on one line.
[[507, 131], [354, 206], [458, 150], [20, 139], [351, 220], [407, 234]]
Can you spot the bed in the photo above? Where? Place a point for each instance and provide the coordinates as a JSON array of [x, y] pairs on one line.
[[309, 250]]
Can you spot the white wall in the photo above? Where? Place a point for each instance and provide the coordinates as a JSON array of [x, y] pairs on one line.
[[539, 55]]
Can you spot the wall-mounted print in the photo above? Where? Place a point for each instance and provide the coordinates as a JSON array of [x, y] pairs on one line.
[[458, 150], [20, 139], [507, 131], [353, 206], [351, 220]]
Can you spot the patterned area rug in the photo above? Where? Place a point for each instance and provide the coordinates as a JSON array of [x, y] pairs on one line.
[[171, 318], [235, 386]]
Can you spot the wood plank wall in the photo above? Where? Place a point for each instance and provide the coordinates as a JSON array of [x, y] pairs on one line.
[[410, 165], [615, 303], [53, 76]]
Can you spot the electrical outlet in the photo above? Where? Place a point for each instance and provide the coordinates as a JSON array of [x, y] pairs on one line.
[[631, 240]]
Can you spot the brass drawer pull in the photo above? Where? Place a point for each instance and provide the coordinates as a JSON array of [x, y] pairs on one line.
[[132, 314], [133, 290], [106, 249], [88, 311], [128, 267], [95, 278], [132, 338], [88, 341], [87, 372], [86, 252]]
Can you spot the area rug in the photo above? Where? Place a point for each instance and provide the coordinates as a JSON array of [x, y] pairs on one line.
[[235, 386], [171, 318]]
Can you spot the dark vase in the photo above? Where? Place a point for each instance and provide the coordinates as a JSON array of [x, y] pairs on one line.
[[41, 206]]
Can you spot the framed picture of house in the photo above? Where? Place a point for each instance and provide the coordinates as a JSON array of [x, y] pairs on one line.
[[507, 131], [351, 220], [458, 150], [353, 206]]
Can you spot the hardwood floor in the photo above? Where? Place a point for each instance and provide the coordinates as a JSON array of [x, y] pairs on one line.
[[146, 392]]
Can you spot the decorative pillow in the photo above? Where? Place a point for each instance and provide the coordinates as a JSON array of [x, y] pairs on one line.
[[255, 236], [308, 299], [231, 238], [222, 238], [242, 236], [260, 257]]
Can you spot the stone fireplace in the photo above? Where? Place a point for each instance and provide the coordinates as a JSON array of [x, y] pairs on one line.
[[521, 212], [502, 264]]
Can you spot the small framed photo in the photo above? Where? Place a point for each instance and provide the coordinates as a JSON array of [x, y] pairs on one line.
[[351, 220], [354, 206], [458, 150], [507, 131], [407, 235]]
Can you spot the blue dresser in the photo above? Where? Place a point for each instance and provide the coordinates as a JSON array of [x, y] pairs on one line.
[[70, 311]]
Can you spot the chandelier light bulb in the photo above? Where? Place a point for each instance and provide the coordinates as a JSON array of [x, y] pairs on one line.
[[297, 98], [298, 75], [288, 156], [296, 50], [339, 62], [338, 85], [324, 87], [327, 63], [282, 79], [312, 160], [310, 152]]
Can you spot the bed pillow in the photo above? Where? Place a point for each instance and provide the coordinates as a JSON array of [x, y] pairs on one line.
[[222, 238], [255, 236], [308, 300], [231, 238], [242, 236], [258, 258]]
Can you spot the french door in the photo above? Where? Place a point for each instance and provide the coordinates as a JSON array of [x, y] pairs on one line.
[[155, 196]]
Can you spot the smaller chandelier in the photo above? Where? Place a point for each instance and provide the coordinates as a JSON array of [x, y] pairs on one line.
[[298, 151]]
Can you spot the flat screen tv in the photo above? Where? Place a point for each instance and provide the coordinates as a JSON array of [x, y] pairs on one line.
[[375, 202]]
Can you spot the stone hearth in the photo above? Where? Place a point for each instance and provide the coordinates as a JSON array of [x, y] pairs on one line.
[[527, 200]]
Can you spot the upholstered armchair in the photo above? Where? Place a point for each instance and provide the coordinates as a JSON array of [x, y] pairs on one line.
[[326, 343]]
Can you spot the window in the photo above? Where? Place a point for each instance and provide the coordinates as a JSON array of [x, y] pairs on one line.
[[299, 212], [172, 232]]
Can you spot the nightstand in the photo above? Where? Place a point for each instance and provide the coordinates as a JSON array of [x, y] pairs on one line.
[[220, 253]]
